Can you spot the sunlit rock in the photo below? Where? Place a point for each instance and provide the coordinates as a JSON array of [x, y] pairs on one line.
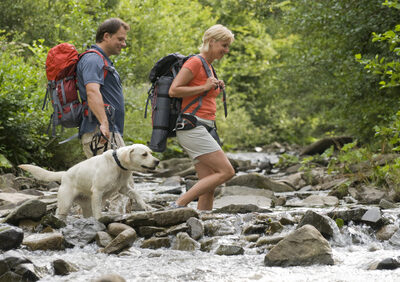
[[304, 246], [45, 241]]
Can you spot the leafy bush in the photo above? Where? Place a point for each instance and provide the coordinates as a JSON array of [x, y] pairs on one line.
[[21, 122]]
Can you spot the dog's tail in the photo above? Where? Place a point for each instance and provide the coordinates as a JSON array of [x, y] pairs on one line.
[[42, 174]]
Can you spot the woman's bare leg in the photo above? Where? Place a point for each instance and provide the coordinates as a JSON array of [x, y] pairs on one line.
[[213, 169]]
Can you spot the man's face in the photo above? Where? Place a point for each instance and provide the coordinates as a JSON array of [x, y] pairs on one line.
[[115, 42]]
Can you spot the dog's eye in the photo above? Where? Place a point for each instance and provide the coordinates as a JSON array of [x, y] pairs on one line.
[[145, 154]]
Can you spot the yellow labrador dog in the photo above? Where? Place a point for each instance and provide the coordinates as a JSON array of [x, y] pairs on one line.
[[91, 181]]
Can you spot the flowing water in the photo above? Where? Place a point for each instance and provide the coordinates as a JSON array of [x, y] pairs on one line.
[[352, 260]]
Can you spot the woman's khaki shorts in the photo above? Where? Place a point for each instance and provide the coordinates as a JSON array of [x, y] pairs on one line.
[[198, 141]]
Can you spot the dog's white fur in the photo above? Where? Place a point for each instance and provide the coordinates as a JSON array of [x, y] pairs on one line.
[[93, 180]]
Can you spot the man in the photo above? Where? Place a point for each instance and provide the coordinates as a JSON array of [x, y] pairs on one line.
[[100, 86]]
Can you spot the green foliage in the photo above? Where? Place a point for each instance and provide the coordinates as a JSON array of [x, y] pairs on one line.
[[291, 75], [21, 122], [4, 163], [339, 222], [287, 160], [159, 27]]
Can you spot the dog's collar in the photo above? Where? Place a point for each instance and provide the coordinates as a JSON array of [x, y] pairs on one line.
[[114, 154]]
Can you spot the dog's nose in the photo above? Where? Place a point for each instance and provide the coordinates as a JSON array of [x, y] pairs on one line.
[[156, 162]]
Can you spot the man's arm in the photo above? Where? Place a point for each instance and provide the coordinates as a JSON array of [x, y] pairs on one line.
[[96, 105]]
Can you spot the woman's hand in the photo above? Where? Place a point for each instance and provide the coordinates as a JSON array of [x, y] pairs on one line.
[[212, 83]]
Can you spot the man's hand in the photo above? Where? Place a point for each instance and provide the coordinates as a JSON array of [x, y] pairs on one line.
[[105, 131]]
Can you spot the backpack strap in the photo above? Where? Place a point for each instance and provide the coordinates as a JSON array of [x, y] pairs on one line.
[[106, 67], [223, 94]]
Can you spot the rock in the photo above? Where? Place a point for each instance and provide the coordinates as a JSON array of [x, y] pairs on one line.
[[218, 228], [239, 208], [294, 180], [234, 190], [246, 200], [286, 221], [269, 240], [124, 240], [369, 195], [183, 242], [174, 166], [386, 232], [207, 244], [173, 230], [256, 180], [10, 237], [7, 181], [61, 267], [388, 263], [148, 231], [353, 215], [52, 221], [229, 250], [274, 227], [110, 278], [140, 219], [103, 238], [14, 199], [385, 204], [32, 209], [196, 228], [15, 267], [324, 224], [313, 201], [163, 218], [174, 217], [251, 238], [254, 229], [395, 239], [156, 243], [304, 246], [115, 228], [172, 181], [321, 145], [373, 217], [82, 231], [44, 241]]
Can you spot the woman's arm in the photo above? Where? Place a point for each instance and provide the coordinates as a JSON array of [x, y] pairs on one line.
[[179, 86]]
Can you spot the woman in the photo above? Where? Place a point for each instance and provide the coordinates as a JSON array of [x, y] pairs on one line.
[[212, 166]]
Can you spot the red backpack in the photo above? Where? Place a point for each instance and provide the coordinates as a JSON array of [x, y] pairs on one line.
[[62, 89]]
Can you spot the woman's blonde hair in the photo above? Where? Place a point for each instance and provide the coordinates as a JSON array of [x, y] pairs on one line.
[[217, 32]]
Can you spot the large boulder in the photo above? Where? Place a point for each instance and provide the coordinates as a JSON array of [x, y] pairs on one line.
[[304, 246], [32, 209]]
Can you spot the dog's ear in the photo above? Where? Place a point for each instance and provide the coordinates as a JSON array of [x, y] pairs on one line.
[[127, 156]]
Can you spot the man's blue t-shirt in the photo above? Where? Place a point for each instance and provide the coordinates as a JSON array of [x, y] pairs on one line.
[[90, 69]]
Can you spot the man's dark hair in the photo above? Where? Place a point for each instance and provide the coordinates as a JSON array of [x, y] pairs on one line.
[[110, 26]]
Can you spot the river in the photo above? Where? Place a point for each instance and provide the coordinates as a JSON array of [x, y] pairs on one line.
[[352, 257]]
